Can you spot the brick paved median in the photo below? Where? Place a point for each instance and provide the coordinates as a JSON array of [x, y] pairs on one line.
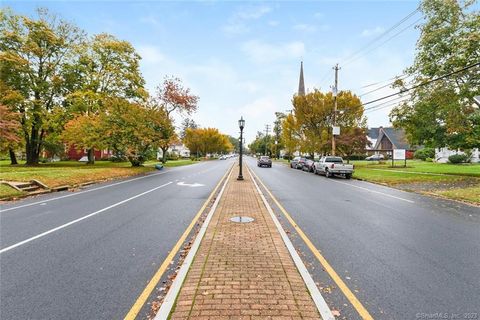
[[243, 270]]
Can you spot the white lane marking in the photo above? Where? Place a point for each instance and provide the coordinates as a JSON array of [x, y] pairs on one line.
[[80, 219], [374, 191], [174, 290], [192, 185], [81, 192], [317, 297]]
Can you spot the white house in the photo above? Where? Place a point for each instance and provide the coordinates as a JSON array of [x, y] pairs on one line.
[[442, 154], [180, 149]]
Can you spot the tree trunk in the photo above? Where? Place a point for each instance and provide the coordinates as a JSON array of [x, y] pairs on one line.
[[164, 154], [13, 157], [91, 156], [34, 146]]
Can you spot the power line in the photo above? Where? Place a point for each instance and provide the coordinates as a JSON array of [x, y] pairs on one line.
[[384, 86], [422, 84], [396, 25], [381, 44], [387, 104]]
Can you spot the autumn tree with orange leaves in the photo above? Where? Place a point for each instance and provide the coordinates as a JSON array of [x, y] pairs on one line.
[[9, 132], [172, 96]]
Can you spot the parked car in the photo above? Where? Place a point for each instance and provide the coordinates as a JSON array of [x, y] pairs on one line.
[[264, 161], [308, 165], [375, 157], [294, 162], [331, 166], [223, 158]]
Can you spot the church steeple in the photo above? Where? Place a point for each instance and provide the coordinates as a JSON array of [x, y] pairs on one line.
[[301, 83]]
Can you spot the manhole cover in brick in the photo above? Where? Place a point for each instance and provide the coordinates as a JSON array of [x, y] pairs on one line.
[[241, 219]]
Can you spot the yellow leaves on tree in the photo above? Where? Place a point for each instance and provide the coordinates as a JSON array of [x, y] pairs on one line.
[[203, 141]]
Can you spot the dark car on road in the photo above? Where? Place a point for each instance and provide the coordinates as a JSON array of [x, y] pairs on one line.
[[308, 165], [300, 163], [293, 162], [264, 161]]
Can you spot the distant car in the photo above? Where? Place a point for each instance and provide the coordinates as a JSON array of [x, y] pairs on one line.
[[264, 161], [223, 158], [308, 165], [375, 157]]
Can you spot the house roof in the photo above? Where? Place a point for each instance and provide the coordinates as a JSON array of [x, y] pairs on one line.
[[373, 133], [396, 136]]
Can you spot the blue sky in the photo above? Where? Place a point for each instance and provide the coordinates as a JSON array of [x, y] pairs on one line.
[[243, 58]]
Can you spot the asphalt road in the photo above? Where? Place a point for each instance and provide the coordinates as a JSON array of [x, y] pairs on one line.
[[407, 256], [89, 254]]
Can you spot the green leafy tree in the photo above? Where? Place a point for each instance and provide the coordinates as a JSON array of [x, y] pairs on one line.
[[442, 113], [34, 57], [187, 123], [277, 134], [106, 68], [134, 130]]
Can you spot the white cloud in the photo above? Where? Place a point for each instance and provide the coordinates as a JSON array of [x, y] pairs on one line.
[[305, 27], [150, 54], [235, 28], [372, 32], [256, 12], [237, 23], [273, 23], [260, 51]]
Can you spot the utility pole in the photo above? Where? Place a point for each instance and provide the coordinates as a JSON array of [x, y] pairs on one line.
[[267, 129], [335, 91]]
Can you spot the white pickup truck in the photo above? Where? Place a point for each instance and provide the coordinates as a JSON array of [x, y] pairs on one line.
[[330, 166]]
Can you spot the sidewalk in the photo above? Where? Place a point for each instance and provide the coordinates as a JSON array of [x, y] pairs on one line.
[[243, 270]]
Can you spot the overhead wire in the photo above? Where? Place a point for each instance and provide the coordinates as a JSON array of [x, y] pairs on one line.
[[381, 44], [421, 84], [383, 34]]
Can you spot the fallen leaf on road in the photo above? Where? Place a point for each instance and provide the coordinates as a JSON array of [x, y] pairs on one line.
[[336, 313]]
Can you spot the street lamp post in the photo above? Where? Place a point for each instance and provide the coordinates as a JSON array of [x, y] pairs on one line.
[[241, 124]]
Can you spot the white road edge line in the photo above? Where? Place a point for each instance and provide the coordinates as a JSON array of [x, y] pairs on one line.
[[85, 191], [374, 191], [317, 297], [167, 304], [79, 219]]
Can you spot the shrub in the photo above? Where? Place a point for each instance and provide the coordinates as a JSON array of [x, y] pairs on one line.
[[429, 159], [172, 156], [458, 158], [356, 157], [424, 153]]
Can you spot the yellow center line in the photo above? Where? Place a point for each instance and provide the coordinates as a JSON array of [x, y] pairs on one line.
[[137, 306], [362, 311]]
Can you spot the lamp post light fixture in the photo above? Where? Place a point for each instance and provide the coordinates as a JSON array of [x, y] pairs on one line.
[[241, 125]]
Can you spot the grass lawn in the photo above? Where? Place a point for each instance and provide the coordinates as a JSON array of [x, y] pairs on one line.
[[467, 194], [72, 172], [9, 192], [454, 181], [68, 172], [172, 163]]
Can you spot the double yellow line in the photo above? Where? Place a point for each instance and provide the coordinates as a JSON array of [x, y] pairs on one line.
[[362, 311], [137, 306]]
